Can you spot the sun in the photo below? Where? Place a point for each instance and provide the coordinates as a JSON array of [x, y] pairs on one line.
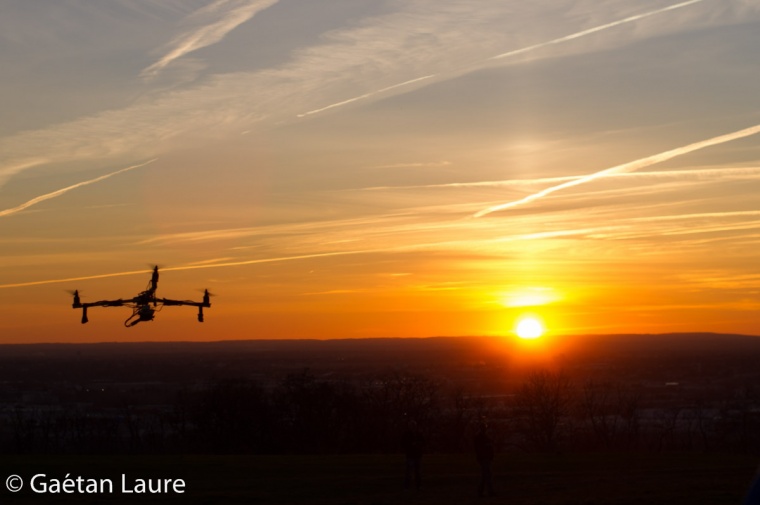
[[529, 328]]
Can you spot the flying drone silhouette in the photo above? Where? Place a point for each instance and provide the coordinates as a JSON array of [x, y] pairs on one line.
[[144, 305]]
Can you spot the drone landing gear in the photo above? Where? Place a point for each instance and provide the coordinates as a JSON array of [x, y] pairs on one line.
[[142, 313]]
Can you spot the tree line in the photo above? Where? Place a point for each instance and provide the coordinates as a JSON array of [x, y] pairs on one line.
[[304, 414]]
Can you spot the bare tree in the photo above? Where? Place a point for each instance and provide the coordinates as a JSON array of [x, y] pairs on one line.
[[611, 410], [543, 404], [463, 413], [394, 400], [597, 406], [629, 407], [666, 427]]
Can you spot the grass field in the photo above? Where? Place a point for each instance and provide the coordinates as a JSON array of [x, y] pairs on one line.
[[520, 479]]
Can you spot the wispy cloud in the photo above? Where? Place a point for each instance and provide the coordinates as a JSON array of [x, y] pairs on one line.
[[508, 54], [377, 55], [418, 164], [484, 237], [333, 292], [59, 192], [208, 26], [18, 166], [625, 167]]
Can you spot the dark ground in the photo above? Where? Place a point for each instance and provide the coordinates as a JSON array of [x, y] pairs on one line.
[[520, 478], [714, 368]]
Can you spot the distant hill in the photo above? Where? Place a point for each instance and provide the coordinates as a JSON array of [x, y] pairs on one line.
[[246, 358], [683, 343]]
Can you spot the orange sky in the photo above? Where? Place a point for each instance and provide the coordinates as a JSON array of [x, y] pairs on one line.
[[371, 169]]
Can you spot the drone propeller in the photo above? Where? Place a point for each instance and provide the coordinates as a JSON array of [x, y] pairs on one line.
[[206, 299], [77, 302]]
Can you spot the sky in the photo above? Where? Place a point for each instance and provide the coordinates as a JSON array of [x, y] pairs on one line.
[[379, 168]]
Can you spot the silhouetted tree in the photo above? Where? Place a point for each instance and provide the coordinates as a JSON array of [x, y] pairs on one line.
[[629, 407], [738, 426], [542, 405], [463, 411], [611, 411], [393, 400], [24, 426], [666, 427], [317, 416], [233, 416], [596, 408]]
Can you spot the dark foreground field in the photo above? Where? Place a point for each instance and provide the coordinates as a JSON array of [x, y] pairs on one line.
[[570, 479]]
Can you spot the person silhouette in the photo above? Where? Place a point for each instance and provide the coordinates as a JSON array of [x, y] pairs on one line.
[[413, 444], [753, 494], [484, 452]]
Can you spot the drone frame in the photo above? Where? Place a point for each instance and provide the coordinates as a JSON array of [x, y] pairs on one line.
[[142, 311]]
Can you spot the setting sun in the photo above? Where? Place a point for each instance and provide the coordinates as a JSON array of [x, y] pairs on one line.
[[529, 328]]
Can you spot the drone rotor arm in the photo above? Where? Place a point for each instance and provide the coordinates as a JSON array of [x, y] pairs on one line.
[[106, 303], [200, 305], [101, 303], [169, 302]]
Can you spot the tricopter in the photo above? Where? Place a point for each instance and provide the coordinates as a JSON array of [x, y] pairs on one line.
[[141, 304]]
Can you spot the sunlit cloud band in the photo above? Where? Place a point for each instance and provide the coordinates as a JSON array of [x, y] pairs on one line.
[[625, 167]]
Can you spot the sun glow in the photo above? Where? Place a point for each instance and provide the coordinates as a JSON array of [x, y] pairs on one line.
[[529, 297], [529, 328]]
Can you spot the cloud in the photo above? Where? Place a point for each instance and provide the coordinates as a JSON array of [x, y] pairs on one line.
[[625, 167], [208, 26], [57, 193], [418, 164], [379, 55], [508, 54], [19, 166]]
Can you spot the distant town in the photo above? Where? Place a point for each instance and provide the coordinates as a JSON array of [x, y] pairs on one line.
[[676, 392]]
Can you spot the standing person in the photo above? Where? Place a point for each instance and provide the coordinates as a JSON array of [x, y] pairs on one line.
[[413, 444], [484, 452], [753, 495]]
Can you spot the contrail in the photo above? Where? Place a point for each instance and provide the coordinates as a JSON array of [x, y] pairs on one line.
[[191, 267], [700, 172], [631, 166], [211, 33], [366, 95], [55, 194], [198, 266], [583, 33], [71, 279]]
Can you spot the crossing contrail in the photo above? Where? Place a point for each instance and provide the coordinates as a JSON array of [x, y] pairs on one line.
[[583, 33], [631, 166], [57, 193], [566, 38]]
